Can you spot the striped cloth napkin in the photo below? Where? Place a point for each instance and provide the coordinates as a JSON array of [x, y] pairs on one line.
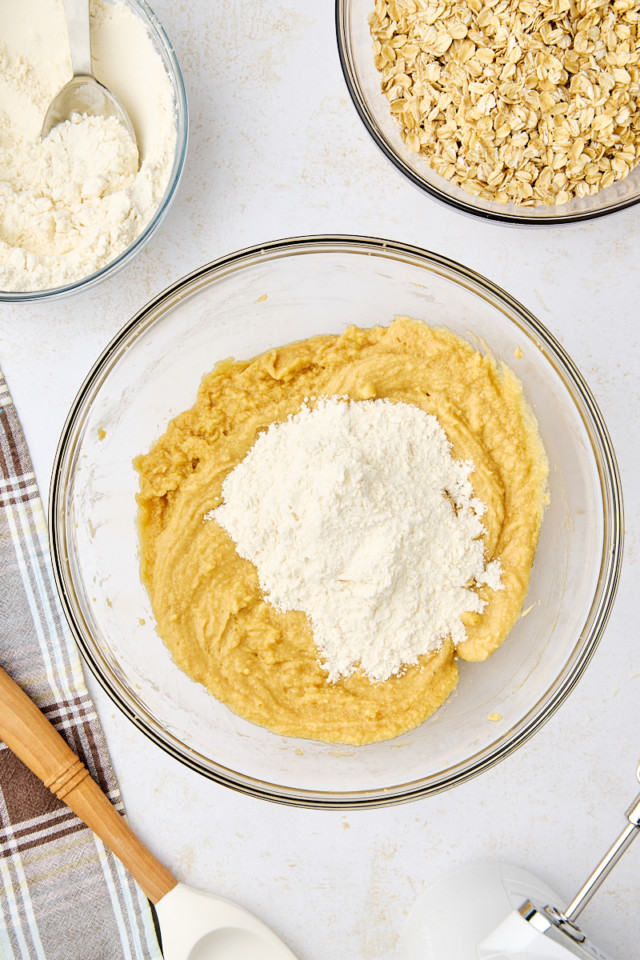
[[62, 895]]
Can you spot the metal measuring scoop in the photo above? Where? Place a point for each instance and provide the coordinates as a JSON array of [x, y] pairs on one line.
[[83, 94]]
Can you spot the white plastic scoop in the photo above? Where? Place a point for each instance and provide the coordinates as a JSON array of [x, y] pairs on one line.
[[193, 925], [83, 94]]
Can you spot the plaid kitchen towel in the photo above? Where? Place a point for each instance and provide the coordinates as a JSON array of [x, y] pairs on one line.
[[62, 895]]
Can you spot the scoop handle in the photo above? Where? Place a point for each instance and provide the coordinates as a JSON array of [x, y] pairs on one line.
[[79, 33], [28, 733]]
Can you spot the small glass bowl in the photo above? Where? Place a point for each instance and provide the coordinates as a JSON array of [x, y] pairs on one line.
[[166, 53], [355, 47], [239, 306]]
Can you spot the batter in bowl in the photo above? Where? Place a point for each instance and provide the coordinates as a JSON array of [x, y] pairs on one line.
[[207, 599]]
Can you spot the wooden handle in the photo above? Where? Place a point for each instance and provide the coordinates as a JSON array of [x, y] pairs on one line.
[[28, 733]]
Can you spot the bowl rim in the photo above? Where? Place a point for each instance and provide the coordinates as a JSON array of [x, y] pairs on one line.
[[149, 18], [466, 206], [586, 641]]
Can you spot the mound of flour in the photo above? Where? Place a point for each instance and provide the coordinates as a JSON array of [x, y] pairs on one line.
[[356, 514], [72, 203]]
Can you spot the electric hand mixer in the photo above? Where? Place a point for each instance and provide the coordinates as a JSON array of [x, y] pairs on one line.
[[496, 912]]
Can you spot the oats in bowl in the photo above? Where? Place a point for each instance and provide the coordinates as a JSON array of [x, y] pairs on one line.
[[517, 101]]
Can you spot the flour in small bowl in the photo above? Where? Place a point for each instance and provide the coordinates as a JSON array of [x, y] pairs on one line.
[[357, 514], [70, 204]]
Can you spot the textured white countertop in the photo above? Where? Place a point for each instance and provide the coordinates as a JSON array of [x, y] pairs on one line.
[[276, 149]]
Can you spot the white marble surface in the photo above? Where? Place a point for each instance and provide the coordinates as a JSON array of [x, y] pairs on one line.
[[276, 149]]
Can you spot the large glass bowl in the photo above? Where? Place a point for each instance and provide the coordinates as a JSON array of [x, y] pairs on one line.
[[123, 83], [239, 306], [355, 47]]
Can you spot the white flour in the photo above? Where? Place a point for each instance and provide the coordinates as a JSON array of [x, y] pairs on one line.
[[70, 204], [356, 514]]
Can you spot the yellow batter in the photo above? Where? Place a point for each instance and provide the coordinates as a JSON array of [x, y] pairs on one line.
[[206, 599]]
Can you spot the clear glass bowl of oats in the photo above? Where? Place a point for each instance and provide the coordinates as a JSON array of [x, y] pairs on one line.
[[523, 112], [243, 305]]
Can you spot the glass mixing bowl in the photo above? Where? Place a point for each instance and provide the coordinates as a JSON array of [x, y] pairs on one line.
[[122, 83], [244, 304], [355, 47]]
